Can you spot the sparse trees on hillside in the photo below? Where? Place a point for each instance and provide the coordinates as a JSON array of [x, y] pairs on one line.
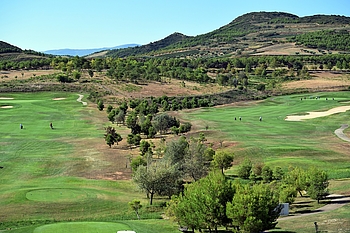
[[111, 136]]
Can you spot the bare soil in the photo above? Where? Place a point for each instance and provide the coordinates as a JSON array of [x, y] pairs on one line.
[[325, 80], [10, 75]]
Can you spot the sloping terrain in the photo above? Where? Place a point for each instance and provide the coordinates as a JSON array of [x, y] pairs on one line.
[[244, 35]]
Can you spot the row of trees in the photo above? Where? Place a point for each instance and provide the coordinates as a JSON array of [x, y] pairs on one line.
[[135, 69], [215, 201], [312, 181]]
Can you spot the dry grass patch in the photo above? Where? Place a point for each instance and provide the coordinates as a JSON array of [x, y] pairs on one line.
[[170, 88], [321, 80], [10, 75]]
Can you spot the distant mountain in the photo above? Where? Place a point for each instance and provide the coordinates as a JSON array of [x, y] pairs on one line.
[[84, 52]]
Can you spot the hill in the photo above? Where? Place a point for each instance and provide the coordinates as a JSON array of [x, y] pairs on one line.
[[246, 33], [151, 47], [10, 52], [8, 48]]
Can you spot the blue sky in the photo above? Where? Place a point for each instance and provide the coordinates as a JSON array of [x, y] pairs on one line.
[[81, 24]]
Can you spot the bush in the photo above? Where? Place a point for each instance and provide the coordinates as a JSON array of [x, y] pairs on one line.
[[64, 78]]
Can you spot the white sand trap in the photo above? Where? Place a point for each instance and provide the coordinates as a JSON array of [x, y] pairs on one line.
[[5, 98], [58, 98], [312, 115], [8, 106]]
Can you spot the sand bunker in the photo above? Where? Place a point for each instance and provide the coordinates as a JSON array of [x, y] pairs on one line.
[[5, 98], [312, 115], [7, 106], [58, 98]]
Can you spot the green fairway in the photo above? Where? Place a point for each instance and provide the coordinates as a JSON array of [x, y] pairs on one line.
[[278, 142], [82, 227], [45, 174]]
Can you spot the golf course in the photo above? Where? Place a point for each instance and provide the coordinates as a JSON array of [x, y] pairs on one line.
[[51, 178], [47, 174], [278, 140]]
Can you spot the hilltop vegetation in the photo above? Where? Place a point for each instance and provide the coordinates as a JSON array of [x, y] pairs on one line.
[[249, 31], [325, 39], [8, 48]]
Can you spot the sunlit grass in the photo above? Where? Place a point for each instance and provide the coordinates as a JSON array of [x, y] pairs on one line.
[[278, 142]]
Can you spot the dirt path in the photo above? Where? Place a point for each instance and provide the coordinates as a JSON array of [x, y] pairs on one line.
[[337, 201], [80, 99], [339, 132]]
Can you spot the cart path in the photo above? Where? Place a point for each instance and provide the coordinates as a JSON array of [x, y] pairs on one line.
[[339, 132], [337, 201], [80, 99]]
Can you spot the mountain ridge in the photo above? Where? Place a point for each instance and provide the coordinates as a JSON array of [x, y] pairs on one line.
[[248, 33], [84, 52], [232, 35]]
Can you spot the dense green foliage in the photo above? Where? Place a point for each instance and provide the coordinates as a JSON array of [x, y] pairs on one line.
[[8, 48], [254, 208], [325, 40], [151, 47]]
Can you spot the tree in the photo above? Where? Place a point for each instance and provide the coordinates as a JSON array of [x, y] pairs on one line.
[[100, 105], [120, 117], [135, 205], [163, 122], [245, 169], [151, 132], [254, 208], [156, 178], [136, 162], [297, 178], [76, 75], [222, 160], [267, 174], [185, 127], [203, 203], [287, 193], [111, 116], [196, 162], [109, 108], [176, 150], [145, 146], [278, 173], [133, 139], [145, 125], [317, 183], [91, 73], [111, 136], [132, 123]]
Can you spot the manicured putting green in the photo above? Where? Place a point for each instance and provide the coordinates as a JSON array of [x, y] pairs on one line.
[[57, 195], [82, 227]]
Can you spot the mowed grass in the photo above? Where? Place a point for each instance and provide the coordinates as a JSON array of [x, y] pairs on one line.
[[277, 142], [42, 182]]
